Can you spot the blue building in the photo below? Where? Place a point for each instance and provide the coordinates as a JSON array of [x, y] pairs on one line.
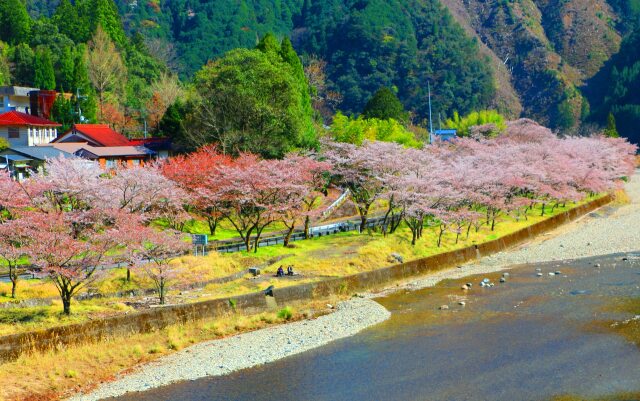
[[443, 135]]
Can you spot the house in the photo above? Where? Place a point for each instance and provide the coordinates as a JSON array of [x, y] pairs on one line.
[[98, 135], [22, 129], [15, 98], [34, 101], [21, 161], [444, 135], [162, 146], [107, 156]]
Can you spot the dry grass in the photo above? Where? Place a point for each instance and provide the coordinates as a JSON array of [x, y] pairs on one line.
[[59, 372]]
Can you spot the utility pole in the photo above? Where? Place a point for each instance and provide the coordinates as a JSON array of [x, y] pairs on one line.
[[430, 119], [78, 98]]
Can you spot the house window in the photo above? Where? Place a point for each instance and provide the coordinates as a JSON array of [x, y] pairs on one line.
[[14, 133], [135, 162], [110, 163]]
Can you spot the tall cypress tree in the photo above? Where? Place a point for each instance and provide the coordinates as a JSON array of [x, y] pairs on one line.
[[44, 76]]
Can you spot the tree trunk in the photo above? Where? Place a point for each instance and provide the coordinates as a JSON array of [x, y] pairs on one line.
[[468, 230], [363, 222], [213, 224], [440, 237], [14, 284], [542, 214], [161, 291], [66, 303], [287, 237], [414, 233], [128, 275], [307, 226]]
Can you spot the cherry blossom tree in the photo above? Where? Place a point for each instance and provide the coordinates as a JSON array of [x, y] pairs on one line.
[[69, 247], [362, 170], [198, 174], [13, 241], [304, 181], [155, 258]]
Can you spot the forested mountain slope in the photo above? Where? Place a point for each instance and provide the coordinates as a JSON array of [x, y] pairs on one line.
[[537, 58]]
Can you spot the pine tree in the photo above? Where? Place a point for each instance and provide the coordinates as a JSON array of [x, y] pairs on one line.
[[15, 22], [611, 131], [44, 76]]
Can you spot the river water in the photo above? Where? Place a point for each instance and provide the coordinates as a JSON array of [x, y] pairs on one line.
[[530, 338]]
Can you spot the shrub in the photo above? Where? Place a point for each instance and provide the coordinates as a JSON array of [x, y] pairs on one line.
[[71, 374], [285, 313]]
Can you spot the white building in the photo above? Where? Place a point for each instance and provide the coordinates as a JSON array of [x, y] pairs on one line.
[[15, 98], [22, 129]]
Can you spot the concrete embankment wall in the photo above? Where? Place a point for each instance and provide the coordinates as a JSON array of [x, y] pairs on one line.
[[11, 346]]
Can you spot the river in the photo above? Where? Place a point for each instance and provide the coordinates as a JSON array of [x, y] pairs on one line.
[[530, 338]]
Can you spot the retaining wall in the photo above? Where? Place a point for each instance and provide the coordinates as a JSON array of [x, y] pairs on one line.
[[12, 346]]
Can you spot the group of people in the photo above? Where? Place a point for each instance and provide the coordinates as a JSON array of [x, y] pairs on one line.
[[280, 272]]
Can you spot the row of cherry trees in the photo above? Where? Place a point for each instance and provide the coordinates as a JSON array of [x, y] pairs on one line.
[[75, 219], [463, 185]]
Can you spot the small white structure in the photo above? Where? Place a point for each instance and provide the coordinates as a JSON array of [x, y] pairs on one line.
[[22, 129]]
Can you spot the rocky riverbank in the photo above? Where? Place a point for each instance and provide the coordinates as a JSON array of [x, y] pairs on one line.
[[220, 357]]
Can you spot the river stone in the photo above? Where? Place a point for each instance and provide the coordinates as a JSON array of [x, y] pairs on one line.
[[502, 279], [464, 287], [462, 303], [539, 274], [444, 307]]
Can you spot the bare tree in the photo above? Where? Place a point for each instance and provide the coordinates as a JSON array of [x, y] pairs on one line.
[[107, 71]]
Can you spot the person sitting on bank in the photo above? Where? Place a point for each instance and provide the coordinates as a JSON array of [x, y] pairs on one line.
[[280, 272], [290, 270]]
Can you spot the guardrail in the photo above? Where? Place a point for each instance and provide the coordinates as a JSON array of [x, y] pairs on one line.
[[318, 231]]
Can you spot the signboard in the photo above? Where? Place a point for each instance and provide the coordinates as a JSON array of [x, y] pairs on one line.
[[200, 239]]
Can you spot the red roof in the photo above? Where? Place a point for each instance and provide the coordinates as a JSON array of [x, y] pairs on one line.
[[16, 118], [101, 134]]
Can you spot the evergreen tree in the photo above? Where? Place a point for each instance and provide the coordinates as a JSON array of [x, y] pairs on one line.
[[70, 23], [611, 131], [23, 65], [44, 76], [64, 69], [15, 22], [62, 112], [81, 84], [384, 105], [269, 44], [104, 14]]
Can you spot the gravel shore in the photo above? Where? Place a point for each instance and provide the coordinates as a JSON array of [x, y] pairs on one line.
[[611, 229], [220, 357]]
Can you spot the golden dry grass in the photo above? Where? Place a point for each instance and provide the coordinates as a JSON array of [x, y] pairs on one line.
[[53, 374]]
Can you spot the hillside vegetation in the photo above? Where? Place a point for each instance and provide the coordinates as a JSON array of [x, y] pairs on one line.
[[543, 59]]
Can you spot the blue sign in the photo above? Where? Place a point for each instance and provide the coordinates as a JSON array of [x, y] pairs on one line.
[[200, 239]]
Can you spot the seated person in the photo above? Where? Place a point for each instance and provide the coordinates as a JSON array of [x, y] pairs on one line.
[[290, 270], [280, 272]]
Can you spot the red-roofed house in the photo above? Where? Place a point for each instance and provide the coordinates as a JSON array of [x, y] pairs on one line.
[[22, 129], [99, 135]]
